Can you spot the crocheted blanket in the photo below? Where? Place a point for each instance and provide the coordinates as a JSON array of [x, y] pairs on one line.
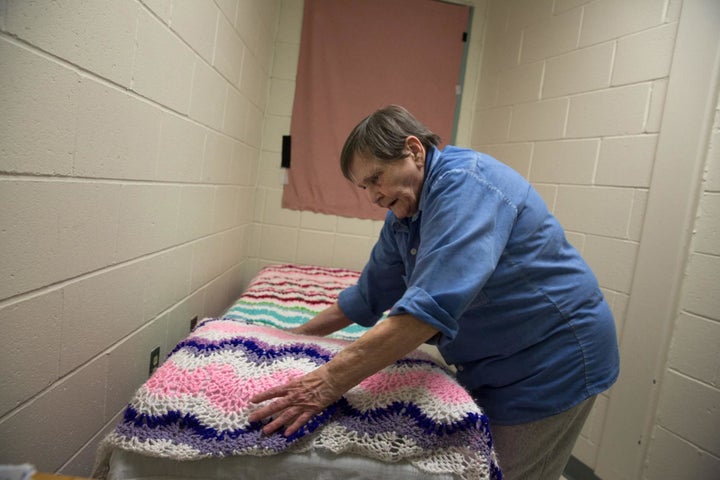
[[286, 296], [196, 405]]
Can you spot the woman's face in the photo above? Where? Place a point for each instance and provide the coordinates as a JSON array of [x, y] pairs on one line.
[[395, 185]]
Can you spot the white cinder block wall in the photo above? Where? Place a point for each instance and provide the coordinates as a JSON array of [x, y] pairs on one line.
[[130, 133], [686, 438], [572, 94]]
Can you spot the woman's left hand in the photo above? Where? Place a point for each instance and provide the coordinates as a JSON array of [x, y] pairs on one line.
[[298, 401]]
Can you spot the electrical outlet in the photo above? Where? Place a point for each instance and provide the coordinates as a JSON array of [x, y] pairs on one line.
[[193, 323], [154, 360]]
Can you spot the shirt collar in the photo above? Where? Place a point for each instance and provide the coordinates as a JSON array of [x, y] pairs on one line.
[[430, 156]]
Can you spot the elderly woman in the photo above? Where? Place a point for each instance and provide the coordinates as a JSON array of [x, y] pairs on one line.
[[471, 260]]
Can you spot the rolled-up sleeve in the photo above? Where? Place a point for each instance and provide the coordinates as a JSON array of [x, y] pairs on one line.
[[420, 304]]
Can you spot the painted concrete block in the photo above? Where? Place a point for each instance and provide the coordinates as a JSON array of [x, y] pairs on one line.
[[553, 36], [236, 115], [278, 243], [97, 312], [616, 111], [148, 219], [161, 8], [703, 276], [351, 251], [226, 205], [229, 51], [491, 125], [229, 9], [697, 425], [163, 66], [582, 70], [290, 21], [196, 201], [166, 278], [39, 99], [595, 210], [117, 134], [644, 56], [671, 456], [55, 230], [247, 203], [315, 248], [196, 23], [694, 351], [355, 226], [30, 360], [255, 126], [609, 19], [565, 5], [31, 435], [518, 156], [566, 161], [207, 262], [244, 166], [182, 144], [520, 84], [626, 161], [254, 81], [637, 214], [209, 96], [707, 229], [712, 178], [657, 104], [282, 93], [543, 120], [527, 12], [98, 36], [285, 61], [218, 159], [274, 214]]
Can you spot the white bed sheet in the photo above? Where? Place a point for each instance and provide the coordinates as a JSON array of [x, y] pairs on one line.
[[313, 465]]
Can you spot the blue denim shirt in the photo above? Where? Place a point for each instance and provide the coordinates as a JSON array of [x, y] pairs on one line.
[[520, 313]]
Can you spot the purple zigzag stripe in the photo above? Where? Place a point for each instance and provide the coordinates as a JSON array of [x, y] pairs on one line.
[[185, 428]]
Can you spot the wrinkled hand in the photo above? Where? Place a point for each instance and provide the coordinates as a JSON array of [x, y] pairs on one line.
[[298, 401]]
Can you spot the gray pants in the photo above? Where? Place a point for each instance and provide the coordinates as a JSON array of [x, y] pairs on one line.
[[539, 450]]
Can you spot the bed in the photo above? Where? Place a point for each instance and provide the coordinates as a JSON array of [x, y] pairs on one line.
[[190, 418]]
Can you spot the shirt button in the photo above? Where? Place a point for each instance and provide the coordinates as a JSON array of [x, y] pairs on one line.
[[413, 251], [460, 368]]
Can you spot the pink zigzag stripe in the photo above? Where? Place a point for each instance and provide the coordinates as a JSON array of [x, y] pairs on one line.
[[218, 383], [227, 391], [437, 384]]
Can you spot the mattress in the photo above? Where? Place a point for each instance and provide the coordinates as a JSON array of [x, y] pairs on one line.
[[190, 419], [288, 466]]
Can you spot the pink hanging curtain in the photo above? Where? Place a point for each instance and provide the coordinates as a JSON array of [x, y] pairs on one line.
[[357, 56]]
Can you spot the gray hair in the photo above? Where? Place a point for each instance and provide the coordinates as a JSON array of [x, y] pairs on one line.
[[382, 135]]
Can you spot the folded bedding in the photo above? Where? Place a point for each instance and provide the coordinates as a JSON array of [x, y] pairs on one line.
[[286, 296], [196, 405]]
